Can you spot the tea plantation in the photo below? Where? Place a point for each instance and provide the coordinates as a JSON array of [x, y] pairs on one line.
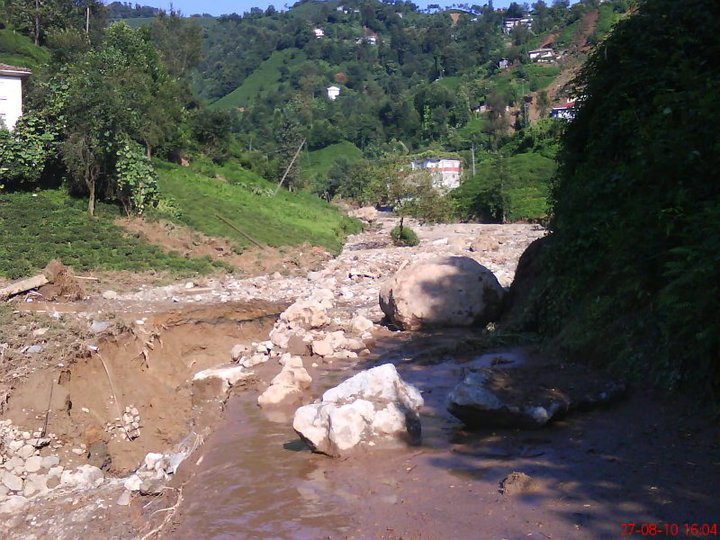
[[37, 227]]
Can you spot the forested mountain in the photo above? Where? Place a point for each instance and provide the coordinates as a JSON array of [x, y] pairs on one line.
[[126, 10], [403, 75], [457, 80], [408, 81]]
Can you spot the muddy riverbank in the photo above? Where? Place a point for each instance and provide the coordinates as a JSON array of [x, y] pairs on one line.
[[644, 459]]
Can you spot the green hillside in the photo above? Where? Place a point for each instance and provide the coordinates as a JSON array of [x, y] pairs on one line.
[[250, 204], [261, 82], [19, 50], [317, 164]]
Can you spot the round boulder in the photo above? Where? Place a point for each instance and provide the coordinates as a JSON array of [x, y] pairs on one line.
[[448, 291]]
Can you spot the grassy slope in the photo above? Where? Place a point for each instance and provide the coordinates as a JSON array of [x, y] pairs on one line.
[[318, 163], [35, 228], [19, 50], [265, 77], [607, 17], [247, 201]]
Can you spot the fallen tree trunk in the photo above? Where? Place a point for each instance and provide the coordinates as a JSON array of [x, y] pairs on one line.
[[23, 285]]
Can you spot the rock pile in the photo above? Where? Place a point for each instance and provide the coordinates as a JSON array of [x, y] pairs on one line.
[[288, 385], [25, 473], [156, 469], [371, 407]]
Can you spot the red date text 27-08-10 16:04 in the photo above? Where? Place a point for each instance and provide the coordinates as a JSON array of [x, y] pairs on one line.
[[687, 530]]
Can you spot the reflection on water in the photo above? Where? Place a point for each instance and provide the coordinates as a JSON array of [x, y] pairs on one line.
[[256, 481]]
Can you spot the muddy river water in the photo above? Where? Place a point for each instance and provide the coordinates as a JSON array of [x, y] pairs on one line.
[[255, 478]]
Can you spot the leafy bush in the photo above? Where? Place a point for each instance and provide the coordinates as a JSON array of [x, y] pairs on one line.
[[404, 236], [137, 181]]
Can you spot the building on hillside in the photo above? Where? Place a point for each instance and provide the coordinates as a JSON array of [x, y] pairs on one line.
[[503, 63], [511, 23], [542, 56], [445, 172], [319, 32], [566, 111], [369, 37], [11, 97], [333, 92]]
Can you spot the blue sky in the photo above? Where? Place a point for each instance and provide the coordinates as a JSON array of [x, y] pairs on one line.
[[219, 7]]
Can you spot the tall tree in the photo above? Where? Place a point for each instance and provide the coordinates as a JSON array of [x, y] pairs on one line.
[[112, 93]]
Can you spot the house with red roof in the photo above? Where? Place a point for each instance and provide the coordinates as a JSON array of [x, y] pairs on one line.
[[566, 111]]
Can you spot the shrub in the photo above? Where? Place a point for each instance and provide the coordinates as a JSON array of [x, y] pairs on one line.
[[404, 236]]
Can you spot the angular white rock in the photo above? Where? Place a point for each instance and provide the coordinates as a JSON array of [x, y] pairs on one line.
[[84, 476], [373, 406]]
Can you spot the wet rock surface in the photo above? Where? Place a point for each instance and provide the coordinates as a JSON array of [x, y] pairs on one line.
[[529, 397]]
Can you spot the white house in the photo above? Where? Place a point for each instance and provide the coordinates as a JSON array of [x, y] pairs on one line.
[[445, 172], [566, 111], [333, 92], [542, 56], [319, 32], [11, 81], [510, 23]]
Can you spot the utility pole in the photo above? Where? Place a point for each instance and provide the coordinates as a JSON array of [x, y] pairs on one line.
[[297, 153], [37, 22], [87, 21], [472, 151]]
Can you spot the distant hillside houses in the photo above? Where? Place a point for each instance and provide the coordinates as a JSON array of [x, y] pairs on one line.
[[445, 171], [511, 23], [566, 111], [542, 56], [11, 94], [333, 92], [369, 37]]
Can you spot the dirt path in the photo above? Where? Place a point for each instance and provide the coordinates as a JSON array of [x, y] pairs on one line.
[[644, 460]]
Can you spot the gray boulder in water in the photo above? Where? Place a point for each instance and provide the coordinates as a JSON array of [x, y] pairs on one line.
[[528, 397]]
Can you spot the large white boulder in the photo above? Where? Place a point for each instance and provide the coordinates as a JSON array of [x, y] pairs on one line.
[[447, 291], [371, 407]]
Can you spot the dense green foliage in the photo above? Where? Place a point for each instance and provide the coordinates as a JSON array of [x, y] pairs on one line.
[[126, 10], [36, 228], [632, 269], [325, 170], [96, 114], [40, 20], [513, 184]]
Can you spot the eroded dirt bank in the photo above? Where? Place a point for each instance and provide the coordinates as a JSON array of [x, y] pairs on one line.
[[642, 460]]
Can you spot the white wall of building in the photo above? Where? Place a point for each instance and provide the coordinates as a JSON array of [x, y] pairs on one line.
[[10, 100], [445, 172], [333, 92]]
